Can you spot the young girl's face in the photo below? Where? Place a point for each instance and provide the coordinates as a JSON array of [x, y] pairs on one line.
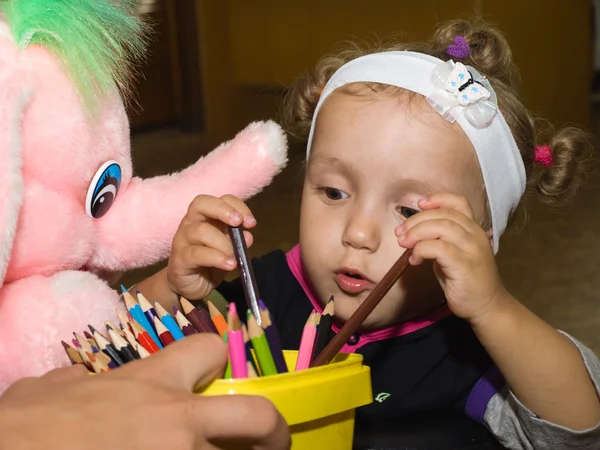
[[372, 159]]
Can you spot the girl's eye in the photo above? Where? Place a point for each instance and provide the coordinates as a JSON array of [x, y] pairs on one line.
[[334, 194], [407, 212]]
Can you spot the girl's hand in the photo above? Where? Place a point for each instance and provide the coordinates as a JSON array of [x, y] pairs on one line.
[[202, 252], [445, 232]]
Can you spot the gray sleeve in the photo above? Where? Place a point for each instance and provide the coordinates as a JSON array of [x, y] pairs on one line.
[[516, 427]]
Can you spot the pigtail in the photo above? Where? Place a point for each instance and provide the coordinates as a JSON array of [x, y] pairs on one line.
[[563, 164]]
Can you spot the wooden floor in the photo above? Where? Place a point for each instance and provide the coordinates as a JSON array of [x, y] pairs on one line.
[[552, 265]]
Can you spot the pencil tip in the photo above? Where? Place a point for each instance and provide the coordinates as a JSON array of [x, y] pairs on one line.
[[262, 305], [123, 288], [331, 298], [65, 345]]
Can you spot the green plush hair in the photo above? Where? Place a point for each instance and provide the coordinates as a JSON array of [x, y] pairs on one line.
[[98, 41]]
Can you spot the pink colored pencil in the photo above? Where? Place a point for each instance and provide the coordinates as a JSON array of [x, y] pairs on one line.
[[307, 342], [237, 353], [237, 347]]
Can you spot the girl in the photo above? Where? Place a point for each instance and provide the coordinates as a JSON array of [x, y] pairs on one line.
[[422, 146]]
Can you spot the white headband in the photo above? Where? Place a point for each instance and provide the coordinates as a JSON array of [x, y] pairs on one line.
[[459, 93]]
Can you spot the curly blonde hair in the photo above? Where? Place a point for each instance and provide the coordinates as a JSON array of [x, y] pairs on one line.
[[491, 55]]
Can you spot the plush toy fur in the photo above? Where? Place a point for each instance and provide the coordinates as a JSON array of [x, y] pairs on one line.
[[59, 122]]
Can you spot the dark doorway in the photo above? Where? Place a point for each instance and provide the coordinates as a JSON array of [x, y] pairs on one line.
[[168, 89]]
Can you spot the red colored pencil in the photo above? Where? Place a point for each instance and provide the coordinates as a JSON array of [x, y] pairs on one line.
[[143, 337], [164, 334]]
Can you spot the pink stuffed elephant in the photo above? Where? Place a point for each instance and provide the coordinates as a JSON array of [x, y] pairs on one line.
[[69, 206]]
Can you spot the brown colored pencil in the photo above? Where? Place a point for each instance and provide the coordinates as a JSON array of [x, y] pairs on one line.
[[200, 318], [186, 327], [363, 311], [72, 354]]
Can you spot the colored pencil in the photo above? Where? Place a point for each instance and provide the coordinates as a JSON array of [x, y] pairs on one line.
[[138, 314], [324, 331], [83, 347], [130, 337], [104, 357], [250, 369], [186, 327], [143, 352], [124, 348], [273, 338], [198, 317], [105, 345], [98, 364], [72, 354], [362, 312], [246, 271], [168, 321], [124, 317], [249, 353], [143, 337], [237, 349], [217, 318], [90, 338], [261, 346], [307, 342], [147, 307], [228, 373], [165, 336]]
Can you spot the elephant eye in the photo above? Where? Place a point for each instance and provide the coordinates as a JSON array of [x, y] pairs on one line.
[[103, 189]]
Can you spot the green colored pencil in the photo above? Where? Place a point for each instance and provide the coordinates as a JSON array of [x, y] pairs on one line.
[[261, 347]]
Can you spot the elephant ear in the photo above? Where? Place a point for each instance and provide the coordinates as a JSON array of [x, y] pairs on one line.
[[15, 93]]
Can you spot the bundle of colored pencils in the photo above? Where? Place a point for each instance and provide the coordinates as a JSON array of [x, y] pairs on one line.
[[254, 350], [316, 335]]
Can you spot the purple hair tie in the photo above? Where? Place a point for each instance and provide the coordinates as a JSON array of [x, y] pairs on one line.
[[460, 49]]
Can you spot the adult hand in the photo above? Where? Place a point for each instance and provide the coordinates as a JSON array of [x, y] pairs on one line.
[[145, 404]]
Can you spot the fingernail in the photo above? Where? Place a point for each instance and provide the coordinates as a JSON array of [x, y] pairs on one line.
[[236, 216], [230, 262], [423, 201], [399, 229], [250, 220], [401, 236]]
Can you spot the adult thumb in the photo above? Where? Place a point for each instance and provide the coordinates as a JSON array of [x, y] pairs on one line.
[[194, 360]]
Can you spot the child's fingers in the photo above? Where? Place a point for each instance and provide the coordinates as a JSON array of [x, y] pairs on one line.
[[249, 219], [436, 214], [205, 207], [442, 252], [206, 234], [447, 200], [443, 229], [194, 257]]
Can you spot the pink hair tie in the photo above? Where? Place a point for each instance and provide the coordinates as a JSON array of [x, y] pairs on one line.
[[543, 155]]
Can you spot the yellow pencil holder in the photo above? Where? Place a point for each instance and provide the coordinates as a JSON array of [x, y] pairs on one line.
[[318, 404]]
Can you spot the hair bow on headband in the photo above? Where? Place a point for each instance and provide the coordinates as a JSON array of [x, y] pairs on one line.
[[460, 89]]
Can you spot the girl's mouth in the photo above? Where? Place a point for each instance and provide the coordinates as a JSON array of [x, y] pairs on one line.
[[352, 281]]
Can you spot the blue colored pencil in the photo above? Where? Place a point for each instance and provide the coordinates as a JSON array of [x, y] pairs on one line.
[[168, 321], [138, 315], [149, 311]]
